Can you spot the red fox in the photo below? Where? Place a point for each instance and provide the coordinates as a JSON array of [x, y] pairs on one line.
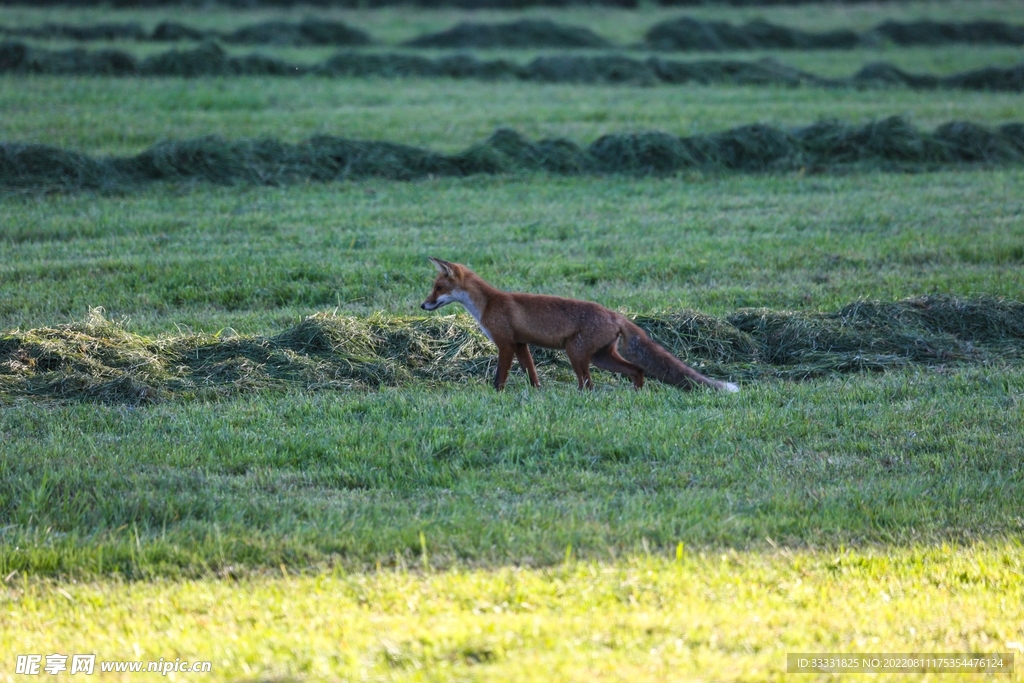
[[588, 332]]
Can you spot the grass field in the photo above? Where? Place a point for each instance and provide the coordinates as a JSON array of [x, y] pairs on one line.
[[199, 257], [114, 116], [431, 529]]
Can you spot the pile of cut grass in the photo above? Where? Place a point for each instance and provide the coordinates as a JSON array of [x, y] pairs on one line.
[[307, 32], [99, 360], [106, 30], [524, 33], [209, 59], [872, 335], [688, 33], [890, 144], [932, 33]]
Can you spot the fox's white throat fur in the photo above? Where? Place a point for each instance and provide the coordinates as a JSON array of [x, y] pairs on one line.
[[463, 298]]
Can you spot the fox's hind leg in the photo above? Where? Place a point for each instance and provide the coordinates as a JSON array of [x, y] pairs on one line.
[[608, 358], [526, 362], [579, 358]]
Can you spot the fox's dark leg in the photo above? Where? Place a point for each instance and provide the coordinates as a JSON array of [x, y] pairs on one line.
[[505, 355], [526, 362], [580, 361], [608, 358]]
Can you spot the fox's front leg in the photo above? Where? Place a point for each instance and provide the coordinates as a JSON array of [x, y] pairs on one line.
[[505, 355], [526, 362]]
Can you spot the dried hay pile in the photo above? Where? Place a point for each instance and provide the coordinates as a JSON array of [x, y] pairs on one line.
[[891, 144], [99, 361], [689, 33], [525, 33], [306, 32], [209, 59]]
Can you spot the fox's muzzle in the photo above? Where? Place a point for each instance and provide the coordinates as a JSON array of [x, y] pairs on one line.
[[433, 303]]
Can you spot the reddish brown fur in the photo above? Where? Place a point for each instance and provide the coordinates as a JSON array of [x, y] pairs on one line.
[[588, 332]]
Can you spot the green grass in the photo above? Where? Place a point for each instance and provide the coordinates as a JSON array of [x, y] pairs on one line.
[[114, 116], [260, 259], [439, 530], [354, 478], [272, 478], [703, 616], [124, 116]]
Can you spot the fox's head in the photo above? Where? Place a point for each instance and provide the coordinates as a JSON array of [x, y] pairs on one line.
[[448, 287]]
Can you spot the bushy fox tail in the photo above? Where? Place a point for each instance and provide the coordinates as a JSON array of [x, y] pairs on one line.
[[654, 360]]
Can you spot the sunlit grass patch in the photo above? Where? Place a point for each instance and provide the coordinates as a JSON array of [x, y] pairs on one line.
[[681, 614]]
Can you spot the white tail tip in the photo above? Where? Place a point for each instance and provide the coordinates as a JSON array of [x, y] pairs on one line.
[[730, 387]]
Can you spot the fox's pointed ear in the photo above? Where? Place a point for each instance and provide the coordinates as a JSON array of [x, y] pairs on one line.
[[442, 266]]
